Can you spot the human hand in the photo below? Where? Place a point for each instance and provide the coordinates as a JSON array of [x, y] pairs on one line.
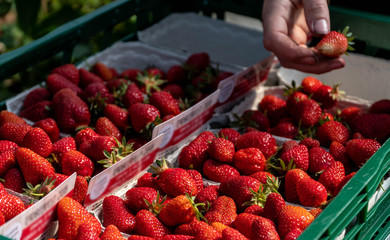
[[288, 24]]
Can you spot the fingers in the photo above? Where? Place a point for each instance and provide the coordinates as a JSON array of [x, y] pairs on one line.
[[317, 16], [320, 65]]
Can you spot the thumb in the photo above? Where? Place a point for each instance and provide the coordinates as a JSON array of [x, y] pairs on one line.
[[317, 16]]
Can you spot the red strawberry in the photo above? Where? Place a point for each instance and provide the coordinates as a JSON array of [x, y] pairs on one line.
[[105, 127], [116, 213], [94, 149], [380, 106], [256, 119], [165, 103], [285, 129], [143, 116], [36, 95], [62, 146], [342, 183], [229, 133], [311, 193], [218, 171], [84, 135], [292, 217], [239, 188], [154, 71], [207, 194], [300, 156], [111, 232], [49, 125], [232, 234], [197, 62], [56, 82], [13, 179], [349, 113], [335, 44], [10, 117], [293, 99], [177, 211], [14, 132], [2, 219], [175, 90], [360, 150], [204, 231], [332, 176], [75, 161], [147, 180], [310, 142], [37, 111], [262, 176], [293, 234], [137, 142], [261, 140], [177, 74], [87, 77], [222, 150], [307, 113], [38, 141], [80, 189], [339, 153], [71, 214], [196, 153], [102, 70], [244, 223], [118, 116], [137, 198], [132, 95], [319, 160], [131, 74], [274, 107], [327, 96], [197, 176], [249, 160], [10, 205], [332, 131], [70, 112], [291, 179], [86, 231], [254, 209], [273, 205], [146, 224], [35, 168], [7, 161], [264, 230], [96, 94], [222, 210], [69, 71], [367, 125], [326, 116]]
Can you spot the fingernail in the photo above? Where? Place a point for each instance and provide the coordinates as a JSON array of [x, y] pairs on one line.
[[321, 26]]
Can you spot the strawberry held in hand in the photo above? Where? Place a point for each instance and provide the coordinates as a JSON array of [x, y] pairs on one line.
[[335, 44]]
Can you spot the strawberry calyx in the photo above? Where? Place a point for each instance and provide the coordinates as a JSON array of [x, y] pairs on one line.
[[117, 153], [350, 39], [40, 190], [151, 82], [259, 197], [156, 205], [196, 206]]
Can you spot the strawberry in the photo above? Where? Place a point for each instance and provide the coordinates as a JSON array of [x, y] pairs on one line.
[[315, 212], [349, 113], [339, 153], [174, 181], [293, 234], [165, 103], [116, 213], [70, 112], [332, 131], [274, 107], [326, 116], [261, 140], [307, 113], [178, 210], [254, 209], [49, 125], [229, 133], [10, 205], [342, 183], [380, 106], [62, 146], [14, 132], [300, 156], [222, 210], [103, 71], [332, 176], [256, 119], [310, 142], [35, 168], [291, 217], [56, 82], [232, 234], [146, 224], [137, 142], [335, 43], [80, 189], [222, 150], [244, 221], [249, 160], [319, 160], [69, 71], [94, 149], [327, 96], [360, 150], [273, 205], [311, 193], [240, 189], [75, 161], [84, 135], [10, 117], [87, 77], [86, 231], [2, 219], [154, 71], [197, 62], [137, 198], [150, 82], [7, 161], [131, 74], [196, 152], [36, 95], [13, 179], [37, 111], [143, 117], [367, 125], [264, 230], [204, 231], [293, 98], [285, 129], [132, 95], [218, 171], [176, 74], [105, 127], [71, 214], [138, 237], [111, 232], [96, 94], [262, 176], [38, 141], [176, 91], [118, 116], [197, 176], [147, 180], [207, 194], [290, 184]]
